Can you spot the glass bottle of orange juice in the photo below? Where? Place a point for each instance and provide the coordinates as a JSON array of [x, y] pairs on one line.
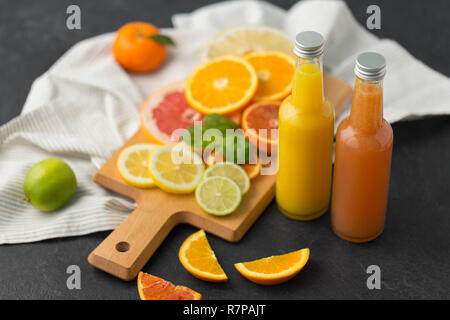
[[363, 157], [306, 131]]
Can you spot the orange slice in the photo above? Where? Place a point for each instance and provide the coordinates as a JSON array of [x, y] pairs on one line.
[[199, 259], [154, 288], [252, 170], [221, 85], [274, 269], [275, 72], [262, 115], [213, 159]]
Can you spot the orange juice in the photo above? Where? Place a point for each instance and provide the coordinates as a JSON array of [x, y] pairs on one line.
[[363, 158], [306, 129]]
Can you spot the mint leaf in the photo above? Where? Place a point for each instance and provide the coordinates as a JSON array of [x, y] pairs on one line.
[[197, 136], [222, 123], [233, 145], [236, 148], [193, 136], [162, 39]]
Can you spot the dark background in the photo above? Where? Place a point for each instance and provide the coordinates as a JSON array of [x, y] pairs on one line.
[[413, 252]]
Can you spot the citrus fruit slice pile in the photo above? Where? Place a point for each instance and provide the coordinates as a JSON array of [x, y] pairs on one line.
[[221, 85], [262, 115], [166, 110], [244, 39], [274, 269], [275, 72], [176, 170], [199, 259], [133, 162], [154, 288]]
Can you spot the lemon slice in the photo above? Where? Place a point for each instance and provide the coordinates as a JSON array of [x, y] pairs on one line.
[[132, 165], [241, 40], [176, 169], [218, 195], [232, 171]]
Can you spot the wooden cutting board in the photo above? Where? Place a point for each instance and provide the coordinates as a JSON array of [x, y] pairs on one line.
[[128, 248]]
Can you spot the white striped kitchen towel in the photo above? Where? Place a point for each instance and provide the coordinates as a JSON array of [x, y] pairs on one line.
[[86, 106]]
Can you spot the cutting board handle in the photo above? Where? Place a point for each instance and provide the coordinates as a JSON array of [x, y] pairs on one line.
[[126, 250]]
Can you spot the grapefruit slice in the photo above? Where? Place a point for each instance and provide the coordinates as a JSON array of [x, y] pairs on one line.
[[154, 288], [167, 110]]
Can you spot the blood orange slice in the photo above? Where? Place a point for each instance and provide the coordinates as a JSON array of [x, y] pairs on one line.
[[154, 288], [167, 110], [258, 116]]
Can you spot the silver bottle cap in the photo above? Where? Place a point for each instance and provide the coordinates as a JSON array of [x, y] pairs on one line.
[[370, 66], [308, 44]]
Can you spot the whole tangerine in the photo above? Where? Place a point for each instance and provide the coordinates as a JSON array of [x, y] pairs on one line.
[[139, 47]]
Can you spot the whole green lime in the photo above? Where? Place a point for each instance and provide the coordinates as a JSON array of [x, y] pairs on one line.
[[49, 184]]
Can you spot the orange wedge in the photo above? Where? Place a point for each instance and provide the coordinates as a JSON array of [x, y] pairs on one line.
[[274, 269], [221, 85], [154, 288], [275, 72], [199, 259]]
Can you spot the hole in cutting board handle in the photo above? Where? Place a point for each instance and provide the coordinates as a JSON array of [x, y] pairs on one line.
[[122, 246]]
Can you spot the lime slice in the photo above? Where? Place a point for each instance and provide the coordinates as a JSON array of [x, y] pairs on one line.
[[218, 196], [240, 40], [232, 171]]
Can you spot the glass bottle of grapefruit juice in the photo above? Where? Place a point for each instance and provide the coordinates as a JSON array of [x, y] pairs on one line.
[[363, 157], [306, 131]]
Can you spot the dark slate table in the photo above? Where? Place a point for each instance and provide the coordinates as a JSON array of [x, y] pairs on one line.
[[413, 252]]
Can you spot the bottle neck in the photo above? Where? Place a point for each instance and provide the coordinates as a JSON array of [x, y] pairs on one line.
[[307, 91], [367, 107]]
